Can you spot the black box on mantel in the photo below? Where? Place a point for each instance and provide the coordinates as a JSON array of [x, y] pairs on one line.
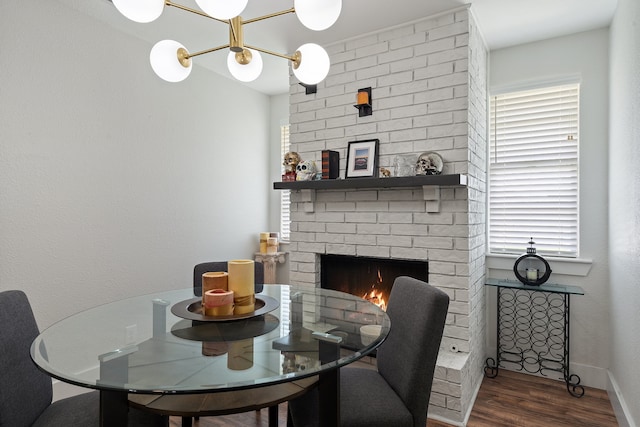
[[330, 164]]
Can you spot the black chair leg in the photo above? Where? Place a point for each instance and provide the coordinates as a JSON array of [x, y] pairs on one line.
[[273, 416], [289, 419], [186, 422]]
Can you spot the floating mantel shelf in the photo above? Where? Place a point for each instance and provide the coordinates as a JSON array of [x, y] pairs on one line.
[[430, 186], [402, 181]]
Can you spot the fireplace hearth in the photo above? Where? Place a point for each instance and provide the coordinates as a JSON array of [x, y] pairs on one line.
[[369, 278]]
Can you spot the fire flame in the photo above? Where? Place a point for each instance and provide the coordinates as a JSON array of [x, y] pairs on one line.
[[376, 297]]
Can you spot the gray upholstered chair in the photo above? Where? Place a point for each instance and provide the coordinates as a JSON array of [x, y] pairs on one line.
[[25, 391], [205, 267], [397, 393]]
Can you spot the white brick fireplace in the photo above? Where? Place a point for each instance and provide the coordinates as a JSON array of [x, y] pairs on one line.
[[428, 82]]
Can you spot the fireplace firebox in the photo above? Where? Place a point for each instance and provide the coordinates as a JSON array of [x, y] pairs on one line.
[[370, 278]]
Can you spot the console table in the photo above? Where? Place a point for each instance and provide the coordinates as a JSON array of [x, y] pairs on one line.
[[533, 330]]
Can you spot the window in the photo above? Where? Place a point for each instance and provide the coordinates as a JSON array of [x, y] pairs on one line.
[[285, 202], [533, 173]]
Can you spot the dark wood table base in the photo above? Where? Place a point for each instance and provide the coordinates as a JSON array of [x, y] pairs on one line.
[[188, 406]]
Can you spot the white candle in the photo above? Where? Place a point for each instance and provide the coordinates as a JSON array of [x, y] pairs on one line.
[[532, 274]]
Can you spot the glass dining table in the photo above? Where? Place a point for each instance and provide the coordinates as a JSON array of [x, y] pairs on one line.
[[162, 343]]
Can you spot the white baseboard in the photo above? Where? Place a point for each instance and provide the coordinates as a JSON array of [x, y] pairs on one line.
[[617, 402], [590, 376]]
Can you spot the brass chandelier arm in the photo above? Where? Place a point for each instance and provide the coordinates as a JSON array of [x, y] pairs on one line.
[[202, 52], [295, 58], [197, 12], [271, 15]]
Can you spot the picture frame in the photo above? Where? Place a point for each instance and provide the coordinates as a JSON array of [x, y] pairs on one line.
[[362, 159]]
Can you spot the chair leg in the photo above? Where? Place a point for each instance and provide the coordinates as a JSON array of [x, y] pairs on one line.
[[186, 422], [289, 419], [273, 416]]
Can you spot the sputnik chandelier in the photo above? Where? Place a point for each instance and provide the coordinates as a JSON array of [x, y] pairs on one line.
[[171, 61]]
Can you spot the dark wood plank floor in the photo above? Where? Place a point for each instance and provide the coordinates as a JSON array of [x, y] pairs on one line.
[[509, 400]]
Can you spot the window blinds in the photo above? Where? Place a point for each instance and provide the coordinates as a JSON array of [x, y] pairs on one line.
[[533, 179], [285, 203]]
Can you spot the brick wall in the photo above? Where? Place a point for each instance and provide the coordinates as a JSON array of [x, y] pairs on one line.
[[428, 82]]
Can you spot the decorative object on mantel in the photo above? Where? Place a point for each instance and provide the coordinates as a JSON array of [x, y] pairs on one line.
[[385, 173], [363, 102], [330, 164], [429, 163], [291, 160], [172, 62], [405, 165], [362, 158], [306, 170], [530, 268]]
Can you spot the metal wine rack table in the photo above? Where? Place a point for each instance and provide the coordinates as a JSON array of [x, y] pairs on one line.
[[533, 330]]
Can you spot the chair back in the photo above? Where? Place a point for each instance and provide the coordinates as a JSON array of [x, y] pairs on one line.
[[25, 391], [205, 267], [407, 358]]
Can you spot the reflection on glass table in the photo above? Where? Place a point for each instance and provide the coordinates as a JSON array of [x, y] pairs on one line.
[[139, 345]]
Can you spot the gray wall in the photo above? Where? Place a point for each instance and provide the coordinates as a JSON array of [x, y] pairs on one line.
[[624, 202], [112, 181]]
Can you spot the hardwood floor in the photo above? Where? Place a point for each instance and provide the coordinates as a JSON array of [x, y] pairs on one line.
[[509, 400]]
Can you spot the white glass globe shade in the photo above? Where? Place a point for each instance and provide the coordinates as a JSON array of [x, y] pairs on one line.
[[222, 9], [248, 72], [314, 64], [165, 63], [318, 15], [142, 11]]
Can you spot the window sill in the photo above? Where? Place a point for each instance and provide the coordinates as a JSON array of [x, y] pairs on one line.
[[566, 266]]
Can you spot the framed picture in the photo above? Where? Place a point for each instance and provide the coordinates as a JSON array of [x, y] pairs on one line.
[[362, 159]]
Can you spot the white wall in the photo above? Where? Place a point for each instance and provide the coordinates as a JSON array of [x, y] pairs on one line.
[[112, 181], [624, 202], [279, 117], [583, 56]]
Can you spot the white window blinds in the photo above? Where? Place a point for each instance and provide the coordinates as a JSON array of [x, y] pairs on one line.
[[285, 203], [533, 180]]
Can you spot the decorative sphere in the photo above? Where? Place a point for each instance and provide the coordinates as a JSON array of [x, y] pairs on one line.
[[142, 11], [318, 15], [314, 64], [165, 63], [222, 9], [248, 72]]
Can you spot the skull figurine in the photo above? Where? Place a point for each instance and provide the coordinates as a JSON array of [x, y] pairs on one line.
[[291, 160], [306, 170], [429, 164]]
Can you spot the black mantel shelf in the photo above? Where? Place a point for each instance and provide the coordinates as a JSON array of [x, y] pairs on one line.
[[403, 181]]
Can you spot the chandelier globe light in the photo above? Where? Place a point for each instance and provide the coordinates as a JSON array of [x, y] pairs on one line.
[[245, 66], [318, 15], [222, 9], [166, 64], [142, 11], [315, 66], [172, 62]]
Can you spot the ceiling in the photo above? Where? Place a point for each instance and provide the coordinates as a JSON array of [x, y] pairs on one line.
[[503, 23]]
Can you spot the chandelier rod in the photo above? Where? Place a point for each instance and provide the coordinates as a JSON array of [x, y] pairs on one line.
[[292, 58], [202, 52], [197, 12], [271, 15]]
